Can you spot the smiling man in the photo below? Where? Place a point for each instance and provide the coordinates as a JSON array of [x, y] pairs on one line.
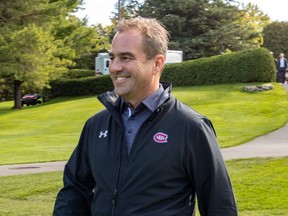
[[135, 75], [146, 153]]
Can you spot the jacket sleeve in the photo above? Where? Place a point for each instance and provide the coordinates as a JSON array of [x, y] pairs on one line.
[[209, 175], [76, 195]]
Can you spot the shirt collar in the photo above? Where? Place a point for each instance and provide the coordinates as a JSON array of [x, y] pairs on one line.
[[151, 102]]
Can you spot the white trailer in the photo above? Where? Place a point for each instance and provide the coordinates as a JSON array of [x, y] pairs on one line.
[[174, 56], [102, 61], [102, 64]]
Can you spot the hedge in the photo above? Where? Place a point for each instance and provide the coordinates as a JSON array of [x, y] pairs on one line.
[[255, 65], [79, 73], [78, 87]]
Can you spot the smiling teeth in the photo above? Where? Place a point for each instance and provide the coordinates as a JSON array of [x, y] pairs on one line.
[[120, 78]]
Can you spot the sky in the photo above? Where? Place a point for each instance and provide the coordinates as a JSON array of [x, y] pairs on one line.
[[97, 12]]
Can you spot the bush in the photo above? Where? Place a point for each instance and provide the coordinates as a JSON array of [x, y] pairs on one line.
[[79, 73], [255, 65], [78, 87]]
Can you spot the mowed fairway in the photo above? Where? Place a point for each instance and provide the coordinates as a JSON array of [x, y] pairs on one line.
[[47, 132], [50, 131]]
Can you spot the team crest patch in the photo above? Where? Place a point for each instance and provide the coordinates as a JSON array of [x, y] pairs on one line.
[[160, 137]]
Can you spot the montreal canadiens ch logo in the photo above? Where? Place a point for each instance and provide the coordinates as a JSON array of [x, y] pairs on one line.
[[160, 138]]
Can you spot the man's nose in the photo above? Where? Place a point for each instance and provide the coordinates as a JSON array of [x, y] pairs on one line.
[[115, 66]]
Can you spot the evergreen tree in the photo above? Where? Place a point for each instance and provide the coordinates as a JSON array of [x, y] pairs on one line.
[[203, 28], [84, 40], [21, 52]]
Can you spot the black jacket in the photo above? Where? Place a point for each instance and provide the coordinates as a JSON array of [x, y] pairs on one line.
[[174, 156]]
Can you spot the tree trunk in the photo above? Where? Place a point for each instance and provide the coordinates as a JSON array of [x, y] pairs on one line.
[[17, 95]]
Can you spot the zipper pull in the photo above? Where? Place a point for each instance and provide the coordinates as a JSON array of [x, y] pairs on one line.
[[114, 197]]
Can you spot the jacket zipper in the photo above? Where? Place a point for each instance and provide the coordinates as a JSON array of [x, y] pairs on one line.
[[114, 198], [115, 193]]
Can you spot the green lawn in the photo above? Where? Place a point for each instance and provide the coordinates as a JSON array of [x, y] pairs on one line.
[[260, 185], [261, 189], [50, 131], [47, 132]]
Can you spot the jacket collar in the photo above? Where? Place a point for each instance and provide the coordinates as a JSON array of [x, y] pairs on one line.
[[111, 100]]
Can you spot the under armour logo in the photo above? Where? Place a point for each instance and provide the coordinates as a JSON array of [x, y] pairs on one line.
[[103, 134]]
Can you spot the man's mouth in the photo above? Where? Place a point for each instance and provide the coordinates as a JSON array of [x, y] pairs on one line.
[[121, 77]]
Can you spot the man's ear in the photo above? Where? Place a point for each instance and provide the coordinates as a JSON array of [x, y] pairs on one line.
[[159, 62]]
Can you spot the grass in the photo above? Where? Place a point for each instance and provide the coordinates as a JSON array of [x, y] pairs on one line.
[[47, 132], [260, 186], [50, 131], [29, 195], [237, 116]]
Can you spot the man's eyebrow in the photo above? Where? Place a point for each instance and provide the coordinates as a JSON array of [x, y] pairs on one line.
[[126, 54], [122, 54]]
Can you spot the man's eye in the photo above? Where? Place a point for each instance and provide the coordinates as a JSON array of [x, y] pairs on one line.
[[126, 58]]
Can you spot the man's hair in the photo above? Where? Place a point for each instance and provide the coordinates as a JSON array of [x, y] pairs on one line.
[[155, 36]]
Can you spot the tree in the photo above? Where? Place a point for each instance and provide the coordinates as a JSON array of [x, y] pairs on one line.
[[275, 37], [30, 59], [193, 25], [82, 39], [251, 22], [203, 28], [17, 18], [125, 9], [19, 13]]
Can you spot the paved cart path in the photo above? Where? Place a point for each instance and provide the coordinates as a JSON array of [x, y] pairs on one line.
[[274, 144]]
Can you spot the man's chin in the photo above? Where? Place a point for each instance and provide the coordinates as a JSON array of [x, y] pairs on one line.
[[120, 92]]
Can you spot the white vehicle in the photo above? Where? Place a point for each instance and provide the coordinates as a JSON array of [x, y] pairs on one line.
[[174, 56], [102, 64], [102, 61]]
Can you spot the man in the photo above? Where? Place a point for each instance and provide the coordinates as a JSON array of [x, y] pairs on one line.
[[281, 69], [146, 154]]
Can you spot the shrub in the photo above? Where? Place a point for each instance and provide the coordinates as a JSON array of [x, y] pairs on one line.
[[79, 73], [255, 65], [78, 87]]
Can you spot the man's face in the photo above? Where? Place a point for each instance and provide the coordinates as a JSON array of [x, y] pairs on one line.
[[134, 77]]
